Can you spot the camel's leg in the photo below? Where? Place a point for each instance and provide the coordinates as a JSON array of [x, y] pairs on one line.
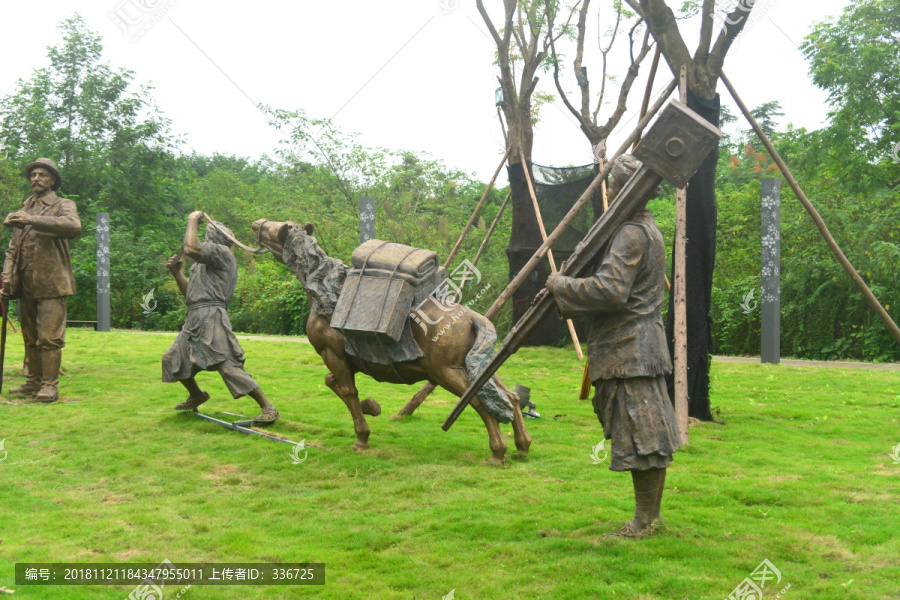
[[370, 407], [456, 381], [341, 381], [416, 401], [495, 436], [520, 432]]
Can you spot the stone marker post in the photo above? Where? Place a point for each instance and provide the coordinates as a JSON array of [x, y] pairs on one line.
[[770, 311], [366, 219], [102, 271]]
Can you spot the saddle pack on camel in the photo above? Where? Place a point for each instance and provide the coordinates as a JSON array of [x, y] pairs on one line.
[[387, 280]]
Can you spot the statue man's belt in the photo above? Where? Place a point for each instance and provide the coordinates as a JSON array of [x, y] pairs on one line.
[[197, 305]]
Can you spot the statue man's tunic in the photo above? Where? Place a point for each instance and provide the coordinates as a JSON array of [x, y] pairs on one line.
[[206, 342], [627, 352]]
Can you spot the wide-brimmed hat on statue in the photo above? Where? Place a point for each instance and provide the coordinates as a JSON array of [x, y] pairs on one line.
[[44, 163]]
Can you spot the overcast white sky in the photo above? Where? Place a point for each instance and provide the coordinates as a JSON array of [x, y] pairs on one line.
[[405, 75]]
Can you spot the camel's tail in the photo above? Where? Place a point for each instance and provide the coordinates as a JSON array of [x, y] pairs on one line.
[[494, 398]]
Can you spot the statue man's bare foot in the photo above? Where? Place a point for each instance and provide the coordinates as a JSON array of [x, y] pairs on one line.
[[268, 416], [193, 402], [634, 529]]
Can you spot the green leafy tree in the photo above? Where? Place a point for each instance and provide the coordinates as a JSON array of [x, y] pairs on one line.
[[854, 58], [115, 153]]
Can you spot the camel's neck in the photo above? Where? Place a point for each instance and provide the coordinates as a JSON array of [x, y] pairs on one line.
[[322, 276]]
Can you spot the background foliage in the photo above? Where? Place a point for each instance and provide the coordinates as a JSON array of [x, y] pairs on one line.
[[118, 154]]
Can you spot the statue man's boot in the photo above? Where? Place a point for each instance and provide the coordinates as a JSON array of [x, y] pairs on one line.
[[50, 361], [33, 383], [661, 485], [646, 503]]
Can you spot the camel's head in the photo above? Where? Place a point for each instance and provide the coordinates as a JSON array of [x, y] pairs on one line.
[[274, 234]]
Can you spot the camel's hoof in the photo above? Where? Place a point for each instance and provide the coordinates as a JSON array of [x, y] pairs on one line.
[[497, 462], [360, 446], [399, 417], [370, 407]]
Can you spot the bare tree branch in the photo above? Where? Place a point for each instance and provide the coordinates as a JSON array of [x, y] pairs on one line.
[[734, 24], [661, 21], [633, 70], [706, 25], [588, 120], [562, 94], [489, 23], [636, 7]]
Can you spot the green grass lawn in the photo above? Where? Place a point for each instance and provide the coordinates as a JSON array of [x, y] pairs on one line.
[[800, 475]]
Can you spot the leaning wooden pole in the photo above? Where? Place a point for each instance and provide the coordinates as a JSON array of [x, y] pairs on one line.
[[540, 222], [477, 210], [680, 296], [817, 219], [647, 91], [490, 231]]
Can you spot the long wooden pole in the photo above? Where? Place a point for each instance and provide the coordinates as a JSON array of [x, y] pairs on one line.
[[477, 210], [647, 91], [817, 219], [490, 231], [680, 359], [540, 222]]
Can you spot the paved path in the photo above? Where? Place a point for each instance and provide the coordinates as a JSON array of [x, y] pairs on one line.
[[297, 339], [790, 362]]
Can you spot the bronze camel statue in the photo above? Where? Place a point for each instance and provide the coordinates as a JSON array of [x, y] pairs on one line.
[[447, 359]]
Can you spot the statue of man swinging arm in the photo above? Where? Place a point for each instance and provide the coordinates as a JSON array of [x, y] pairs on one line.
[[206, 342]]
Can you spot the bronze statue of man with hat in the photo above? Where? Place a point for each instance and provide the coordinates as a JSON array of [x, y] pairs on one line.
[[38, 271]]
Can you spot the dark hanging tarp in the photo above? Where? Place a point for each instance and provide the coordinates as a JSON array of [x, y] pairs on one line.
[[557, 190]]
